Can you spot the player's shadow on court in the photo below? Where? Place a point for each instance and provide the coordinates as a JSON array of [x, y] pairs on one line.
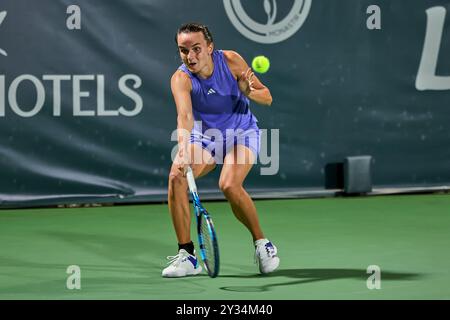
[[303, 276]]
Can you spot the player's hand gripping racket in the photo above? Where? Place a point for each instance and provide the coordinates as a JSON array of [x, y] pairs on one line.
[[207, 239]]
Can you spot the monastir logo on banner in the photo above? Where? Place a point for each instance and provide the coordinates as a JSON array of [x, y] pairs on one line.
[[271, 32]]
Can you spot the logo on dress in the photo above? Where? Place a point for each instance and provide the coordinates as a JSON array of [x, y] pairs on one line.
[[211, 91], [271, 31], [2, 17]]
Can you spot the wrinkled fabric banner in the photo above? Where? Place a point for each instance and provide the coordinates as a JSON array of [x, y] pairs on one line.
[[87, 115]]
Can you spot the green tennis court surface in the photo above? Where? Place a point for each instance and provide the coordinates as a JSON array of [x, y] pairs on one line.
[[325, 246]]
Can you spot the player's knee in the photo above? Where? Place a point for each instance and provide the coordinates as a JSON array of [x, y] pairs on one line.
[[176, 178], [229, 188]]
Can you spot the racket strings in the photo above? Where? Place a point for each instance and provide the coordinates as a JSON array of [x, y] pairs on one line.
[[207, 245]]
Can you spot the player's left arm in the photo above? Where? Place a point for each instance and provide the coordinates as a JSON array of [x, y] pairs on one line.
[[248, 83]]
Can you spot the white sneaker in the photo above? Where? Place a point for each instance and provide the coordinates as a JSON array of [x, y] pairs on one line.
[[266, 256], [182, 265]]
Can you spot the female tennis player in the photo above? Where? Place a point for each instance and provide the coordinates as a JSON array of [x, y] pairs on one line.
[[212, 89]]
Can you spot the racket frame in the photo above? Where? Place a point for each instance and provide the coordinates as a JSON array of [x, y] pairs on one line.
[[199, 212]]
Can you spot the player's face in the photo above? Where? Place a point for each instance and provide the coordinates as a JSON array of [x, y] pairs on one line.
[[194, 50]]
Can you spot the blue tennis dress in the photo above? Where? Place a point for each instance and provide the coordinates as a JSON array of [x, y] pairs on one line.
[[221, 112]]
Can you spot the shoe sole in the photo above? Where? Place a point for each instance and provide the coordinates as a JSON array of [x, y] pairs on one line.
[[186, 275]]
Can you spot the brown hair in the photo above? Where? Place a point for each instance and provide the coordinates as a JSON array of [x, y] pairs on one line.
[[195, 27]]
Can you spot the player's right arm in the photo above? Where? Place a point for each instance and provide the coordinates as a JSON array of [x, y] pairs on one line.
[[181, 86]]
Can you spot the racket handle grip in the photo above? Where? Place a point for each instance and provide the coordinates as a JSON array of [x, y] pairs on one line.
[[191, 180]]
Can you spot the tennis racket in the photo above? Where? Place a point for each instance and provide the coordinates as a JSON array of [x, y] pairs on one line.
[[207, 239]]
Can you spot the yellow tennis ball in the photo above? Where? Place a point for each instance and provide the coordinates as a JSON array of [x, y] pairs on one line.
[[261, 64]]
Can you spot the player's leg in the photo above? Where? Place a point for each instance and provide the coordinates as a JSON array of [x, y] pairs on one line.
[[185, 263], [237, 165], [178, 198]]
